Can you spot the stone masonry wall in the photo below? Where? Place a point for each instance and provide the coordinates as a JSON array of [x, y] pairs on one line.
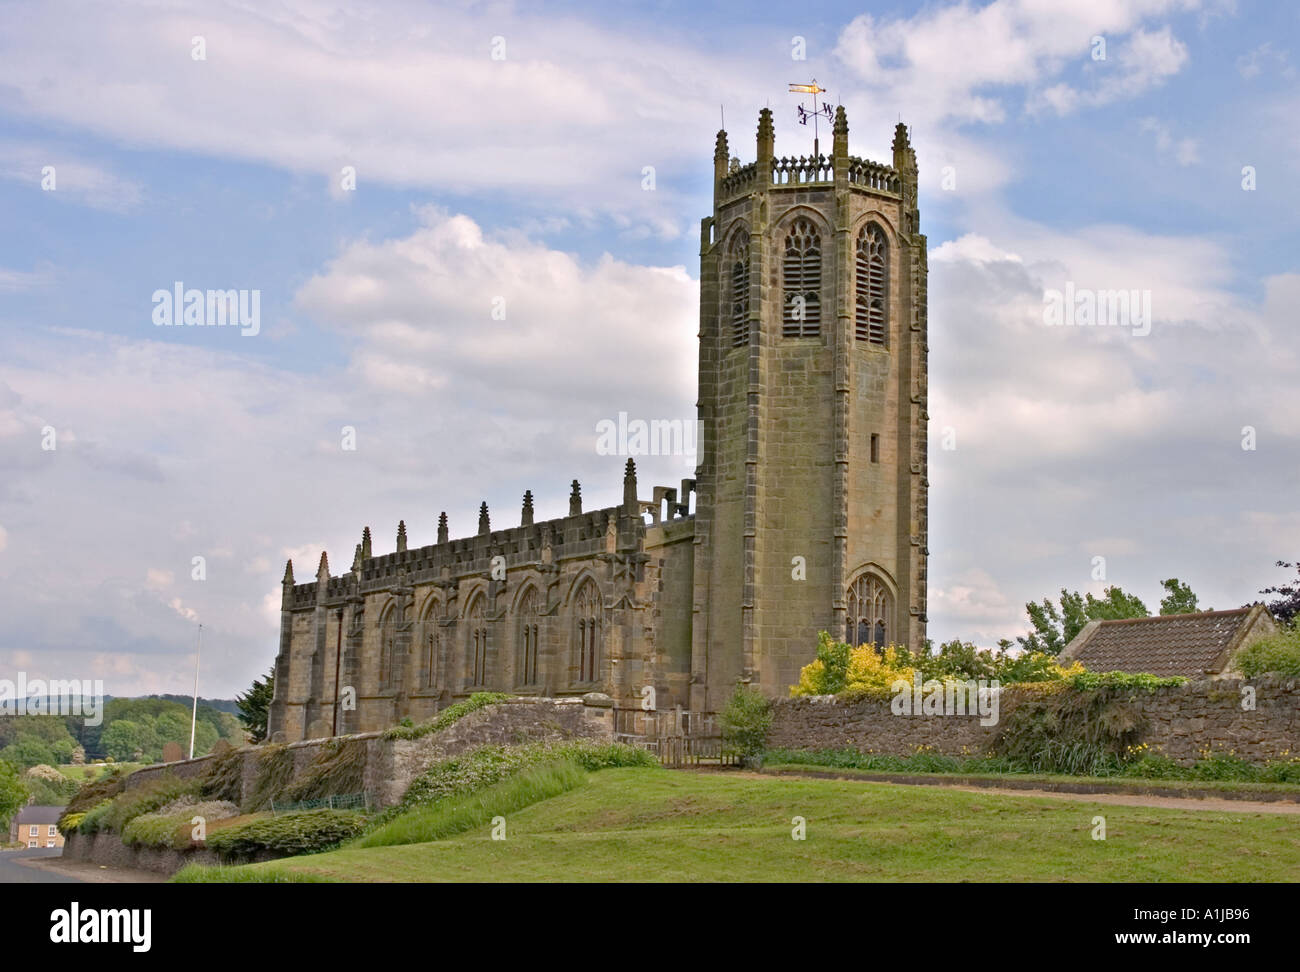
[[1180, 722], [391, 764]]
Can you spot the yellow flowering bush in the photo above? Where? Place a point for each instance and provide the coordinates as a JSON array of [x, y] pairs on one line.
[[839, 667]]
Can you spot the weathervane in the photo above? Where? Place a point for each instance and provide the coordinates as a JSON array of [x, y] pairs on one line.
[[815, 113]]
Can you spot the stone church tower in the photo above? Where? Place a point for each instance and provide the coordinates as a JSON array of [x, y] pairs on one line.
[[811, 495], [807, 513]]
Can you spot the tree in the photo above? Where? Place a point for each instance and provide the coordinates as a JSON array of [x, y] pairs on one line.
[[745, 722], [123, 740], [1286, 607], [1179, 598], [1114, 605], [13, 792], [28, 751], [255, 705], [1054, 627]]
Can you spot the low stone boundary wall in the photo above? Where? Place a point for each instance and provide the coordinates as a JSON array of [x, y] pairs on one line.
[[1181, 722], [107, 850], [391, 764]]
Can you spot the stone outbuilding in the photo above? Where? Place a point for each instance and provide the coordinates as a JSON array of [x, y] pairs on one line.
[[1202, 645]]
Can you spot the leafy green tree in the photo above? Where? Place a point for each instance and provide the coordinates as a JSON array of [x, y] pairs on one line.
[[745, 721], [124, 740], [1178, 598], [174, 727], [1055, 627], [13, 792], [1114, 605], [28, 751], [255, 705]]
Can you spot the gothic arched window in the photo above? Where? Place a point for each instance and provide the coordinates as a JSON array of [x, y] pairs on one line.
[[740, 294], [430, 643], [387, 646], [587, 611], [527, 632], [476, 643], [802, 281], [872, 287], [870, 607]]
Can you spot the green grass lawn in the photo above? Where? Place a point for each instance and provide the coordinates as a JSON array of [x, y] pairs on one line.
[[1134, 784], [78, 773], [659, 825]]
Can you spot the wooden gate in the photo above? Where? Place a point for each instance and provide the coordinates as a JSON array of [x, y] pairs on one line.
[[678, 737]]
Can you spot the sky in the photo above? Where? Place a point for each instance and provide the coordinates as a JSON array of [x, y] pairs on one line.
[[473, 231]]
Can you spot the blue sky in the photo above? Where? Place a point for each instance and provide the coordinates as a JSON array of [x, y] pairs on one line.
[[522, 178]]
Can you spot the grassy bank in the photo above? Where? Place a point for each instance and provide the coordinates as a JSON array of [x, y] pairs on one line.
[[647, 825]]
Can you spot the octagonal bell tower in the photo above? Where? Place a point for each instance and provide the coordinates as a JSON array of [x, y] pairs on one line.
[[811, 491]]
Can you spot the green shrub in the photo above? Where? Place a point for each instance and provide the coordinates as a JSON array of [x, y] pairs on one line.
[[70, 823], [90, 795], [50, 792], [302, 832], [1153, 766], [172, 826], [457, 814], [1089, 728], [146, 798], [1278, 654], [1085, 681], [745, 721], [92, 821], [487, 765], [1280, 771], [1225, 766], [157, 830], [447, 716]]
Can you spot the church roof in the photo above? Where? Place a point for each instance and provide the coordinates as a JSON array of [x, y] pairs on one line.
[[1191, 645]]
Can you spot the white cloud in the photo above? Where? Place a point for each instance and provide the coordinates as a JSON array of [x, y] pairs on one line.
[[1146, 60], [74, 179], [218, 455], [1255, 62], [1186, 151], [412, 98], [958, 62]]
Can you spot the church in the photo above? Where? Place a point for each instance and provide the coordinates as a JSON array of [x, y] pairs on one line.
[[807, 512]]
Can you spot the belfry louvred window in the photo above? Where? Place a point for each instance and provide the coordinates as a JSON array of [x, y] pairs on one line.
[[871, 320], [801, 274], [740, 295]]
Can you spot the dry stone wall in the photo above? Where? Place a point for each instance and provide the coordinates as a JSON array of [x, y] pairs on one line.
[[1181, 722], [391, 764]]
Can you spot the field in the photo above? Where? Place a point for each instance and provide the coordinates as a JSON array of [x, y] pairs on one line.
[[660, 825], [78, 773]]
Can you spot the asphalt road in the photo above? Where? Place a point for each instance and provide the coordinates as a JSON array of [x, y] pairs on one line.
[[12, 872]]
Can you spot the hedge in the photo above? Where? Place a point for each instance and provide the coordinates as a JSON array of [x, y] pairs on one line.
[[302, 832]]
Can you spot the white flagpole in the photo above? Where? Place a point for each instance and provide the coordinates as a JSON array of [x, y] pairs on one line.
[[194, 713]]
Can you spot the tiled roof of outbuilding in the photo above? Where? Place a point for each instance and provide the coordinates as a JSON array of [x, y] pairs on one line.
[[1176, 644]]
